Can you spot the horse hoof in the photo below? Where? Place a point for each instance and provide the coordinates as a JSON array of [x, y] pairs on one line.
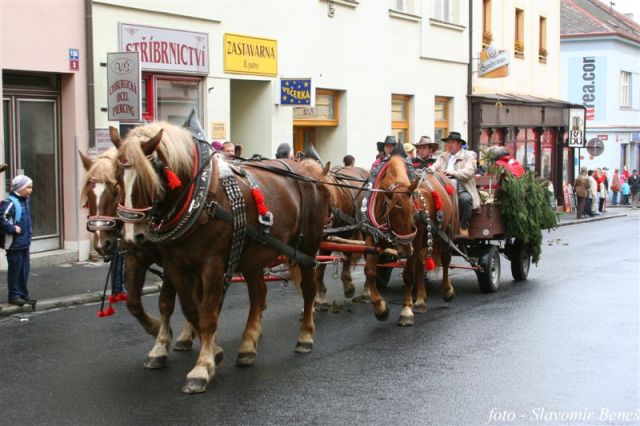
[[304, 347], [154, 362], [322, 307], [183, 346], [219, 358], [246, 359], [405, 321], [349, 292], [449, 296], [195, 386], [384, 315], [419, 308]]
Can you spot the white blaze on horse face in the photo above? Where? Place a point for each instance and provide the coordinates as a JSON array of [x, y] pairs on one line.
[[129, 179], [98, 191]]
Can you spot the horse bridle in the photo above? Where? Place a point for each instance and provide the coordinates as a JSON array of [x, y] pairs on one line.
[[101, 222], [386, 218], [132, 214]]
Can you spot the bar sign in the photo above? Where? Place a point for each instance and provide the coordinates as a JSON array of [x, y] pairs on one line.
[[74, 59]]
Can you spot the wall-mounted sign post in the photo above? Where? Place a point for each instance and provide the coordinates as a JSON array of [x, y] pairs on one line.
[[576, 128], [123, 85]]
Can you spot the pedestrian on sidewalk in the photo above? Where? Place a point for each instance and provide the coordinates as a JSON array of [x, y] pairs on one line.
[[634, 186], [592, 202], [625, 191], [615, 187], [15, 220], [581, 188]]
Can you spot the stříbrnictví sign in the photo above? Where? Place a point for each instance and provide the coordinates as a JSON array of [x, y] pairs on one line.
[[123, 86], [493, 63]]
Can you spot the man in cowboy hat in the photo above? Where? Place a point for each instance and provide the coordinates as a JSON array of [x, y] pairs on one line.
[[425, 150], [460, 166]]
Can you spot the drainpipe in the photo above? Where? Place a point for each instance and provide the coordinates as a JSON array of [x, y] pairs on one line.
[[88, 21], [469, 79]]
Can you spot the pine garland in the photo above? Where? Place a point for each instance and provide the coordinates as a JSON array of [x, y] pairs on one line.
[[525, 209]]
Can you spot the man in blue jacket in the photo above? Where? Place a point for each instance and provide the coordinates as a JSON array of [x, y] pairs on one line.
[[15, 219]]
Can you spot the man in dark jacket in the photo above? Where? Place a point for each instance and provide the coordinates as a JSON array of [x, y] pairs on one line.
[[581, 189], [15, 219], [634, 187]]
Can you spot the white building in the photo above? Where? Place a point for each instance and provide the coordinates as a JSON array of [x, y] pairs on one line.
[[601, 69], [375, 67]]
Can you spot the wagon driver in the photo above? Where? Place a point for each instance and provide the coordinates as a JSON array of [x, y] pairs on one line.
[[460, 166]]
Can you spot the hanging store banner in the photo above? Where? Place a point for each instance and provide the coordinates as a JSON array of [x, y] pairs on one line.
[[123, 83], [295, 91], [587, 85], [163, 49], [576, 128], [493, 63], [250, 55]]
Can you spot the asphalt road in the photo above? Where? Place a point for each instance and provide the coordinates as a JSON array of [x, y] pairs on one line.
[[562, 347]]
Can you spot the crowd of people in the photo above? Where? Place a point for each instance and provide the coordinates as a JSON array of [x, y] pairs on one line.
[[592, 187]]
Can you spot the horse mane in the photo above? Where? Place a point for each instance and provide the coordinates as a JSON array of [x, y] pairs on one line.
[[102, 170], [176, 149], [396, 173]]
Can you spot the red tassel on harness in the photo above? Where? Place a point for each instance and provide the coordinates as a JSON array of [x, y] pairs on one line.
[[258, 197], [122, 296], [101, 314], [113, 298], [429, 264], [110, 311], [172, 179], [436, 200], [449, 189]]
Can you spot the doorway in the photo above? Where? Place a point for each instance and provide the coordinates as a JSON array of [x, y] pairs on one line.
[[303, 137], [32, 147]]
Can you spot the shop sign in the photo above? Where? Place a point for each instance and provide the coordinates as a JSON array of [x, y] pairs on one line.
[[576, 128], [603, 137], [163, 49], [103, 141], [250, 55], [123, 86], [587, 85], [494, 63], [295, 91], [218, 130]]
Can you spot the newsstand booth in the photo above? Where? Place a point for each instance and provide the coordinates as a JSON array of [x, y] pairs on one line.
[[535, 130]]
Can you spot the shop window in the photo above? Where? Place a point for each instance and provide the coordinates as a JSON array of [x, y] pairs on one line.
[[548, 137], [325, 113], [542, 40], [625, 89], [400, 117], [518, 42], [170, 98], [447, 11], [441, 116]]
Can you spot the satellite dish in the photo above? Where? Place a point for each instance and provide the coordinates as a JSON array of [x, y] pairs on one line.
[[595, 147]]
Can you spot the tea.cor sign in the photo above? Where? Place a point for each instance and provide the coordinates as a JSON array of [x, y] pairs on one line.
[[123, 86]]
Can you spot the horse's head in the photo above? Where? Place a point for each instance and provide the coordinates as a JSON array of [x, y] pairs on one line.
[[144, 157], [99, 195], [396, 209]]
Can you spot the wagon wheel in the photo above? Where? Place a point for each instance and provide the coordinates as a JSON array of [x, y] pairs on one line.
[[520, 260], [489, 278]]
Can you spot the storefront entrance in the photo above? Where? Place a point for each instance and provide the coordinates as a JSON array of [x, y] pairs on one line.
[[32, 147], [303, 137]]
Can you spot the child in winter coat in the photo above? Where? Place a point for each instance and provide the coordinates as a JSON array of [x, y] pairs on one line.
[[626, 190]]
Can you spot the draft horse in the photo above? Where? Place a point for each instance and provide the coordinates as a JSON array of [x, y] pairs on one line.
[[152, 160], [100, 196], [343, 205]]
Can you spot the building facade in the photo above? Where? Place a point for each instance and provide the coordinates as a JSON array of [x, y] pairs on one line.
[[373, 68], [600, 51], [44, 117], [515, 91]]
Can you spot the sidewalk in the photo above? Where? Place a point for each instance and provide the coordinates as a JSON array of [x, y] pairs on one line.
[[71, 284]]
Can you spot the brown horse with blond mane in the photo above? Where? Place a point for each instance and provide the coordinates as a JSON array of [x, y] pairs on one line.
[[149, 201]]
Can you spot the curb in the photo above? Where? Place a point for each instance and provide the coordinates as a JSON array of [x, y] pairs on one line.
[[591, 219], [66, 301]]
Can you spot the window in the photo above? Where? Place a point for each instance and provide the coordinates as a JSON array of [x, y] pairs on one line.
[[625, 89], [487, 35], [542, 40], [406, 6], [325, 113], [441, 116], [400, 117], [447, 11], [170, 98], [518, 43]]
